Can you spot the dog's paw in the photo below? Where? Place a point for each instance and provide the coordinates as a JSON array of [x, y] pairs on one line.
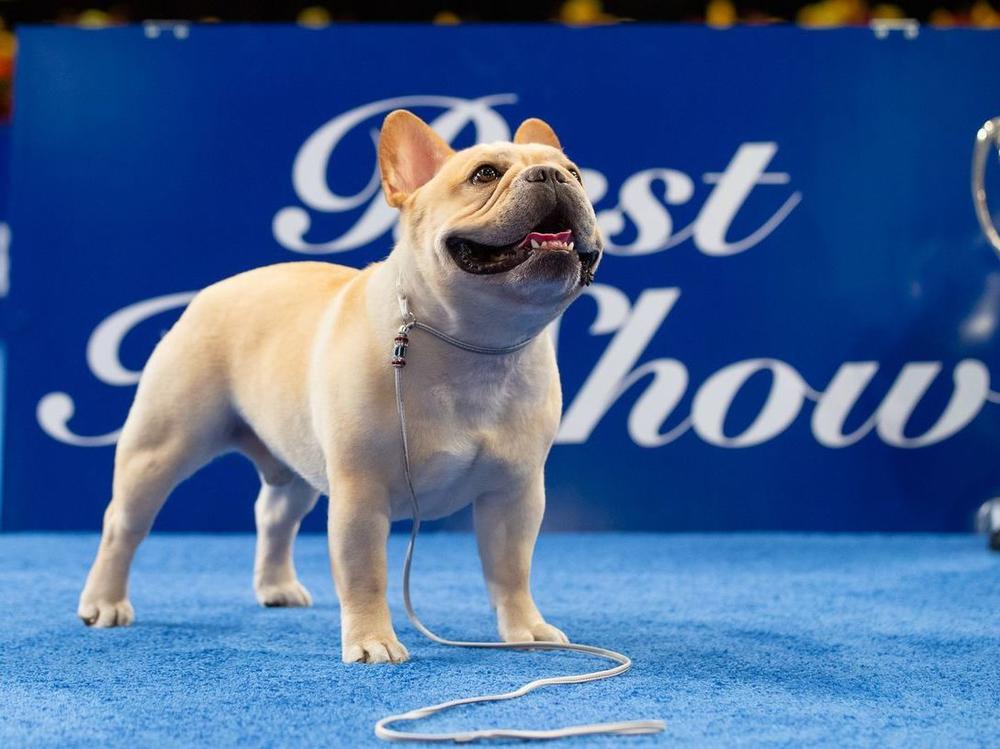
[[537, 632], [291, 594], [375, 649], [104, 614]]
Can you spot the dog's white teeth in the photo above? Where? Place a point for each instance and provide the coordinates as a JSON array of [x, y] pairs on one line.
[[534, 244], [571, 245]]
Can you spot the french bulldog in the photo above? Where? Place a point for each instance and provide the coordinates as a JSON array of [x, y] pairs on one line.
[[290, 365]]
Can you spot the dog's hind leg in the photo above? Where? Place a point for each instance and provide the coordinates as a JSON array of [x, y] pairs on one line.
[[285, 498], [180, 420], [145, 473]]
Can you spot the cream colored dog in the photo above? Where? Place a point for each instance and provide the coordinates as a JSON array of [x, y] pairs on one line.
[[289, 364]]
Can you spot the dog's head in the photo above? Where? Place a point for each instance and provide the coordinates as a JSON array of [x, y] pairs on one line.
[[508, 220]]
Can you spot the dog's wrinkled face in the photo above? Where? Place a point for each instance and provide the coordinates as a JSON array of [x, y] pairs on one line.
[[509, 215], [522, 204]]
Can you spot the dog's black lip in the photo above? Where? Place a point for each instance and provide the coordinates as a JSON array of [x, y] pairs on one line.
[[474, 257], [587, 262]]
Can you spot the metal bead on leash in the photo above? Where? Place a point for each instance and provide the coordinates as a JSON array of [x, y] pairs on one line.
[[400, 342]]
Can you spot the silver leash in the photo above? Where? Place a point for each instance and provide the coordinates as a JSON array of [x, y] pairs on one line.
[[382, 728]]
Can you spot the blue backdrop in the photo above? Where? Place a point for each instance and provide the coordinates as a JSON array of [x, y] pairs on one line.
[[795, 327]]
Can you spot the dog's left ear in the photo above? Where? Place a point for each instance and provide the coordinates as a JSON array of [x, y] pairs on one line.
[[534, 130], [409, 155]]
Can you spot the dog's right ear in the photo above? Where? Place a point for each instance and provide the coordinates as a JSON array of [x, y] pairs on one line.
[[534, 130], [409, 154]]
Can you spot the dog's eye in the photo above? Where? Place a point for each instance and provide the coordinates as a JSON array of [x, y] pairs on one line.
[[485, 173], [575, 174]]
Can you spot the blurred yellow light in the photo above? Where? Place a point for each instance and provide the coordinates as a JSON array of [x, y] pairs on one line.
[[314, 16], [887, 10], [583, 12], [833, 13], [982, 15], [720, 13], [941, 17], [93, 19], [8, 43], [447, 18]]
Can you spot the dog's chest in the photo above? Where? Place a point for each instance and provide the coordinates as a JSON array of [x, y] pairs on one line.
[[450, 477], [461, 444]]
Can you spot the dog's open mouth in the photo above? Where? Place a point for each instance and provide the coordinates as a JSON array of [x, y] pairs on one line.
[[550, 235]]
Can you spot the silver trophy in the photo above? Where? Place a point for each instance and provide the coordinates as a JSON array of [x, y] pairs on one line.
[[987, 139]]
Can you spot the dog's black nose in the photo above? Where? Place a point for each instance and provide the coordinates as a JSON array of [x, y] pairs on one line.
[[544, 174]]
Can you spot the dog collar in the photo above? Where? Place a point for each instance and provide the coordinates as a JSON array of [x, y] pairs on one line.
[[410, 321]]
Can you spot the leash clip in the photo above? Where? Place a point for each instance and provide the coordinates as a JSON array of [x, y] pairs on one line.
[[402, 340]]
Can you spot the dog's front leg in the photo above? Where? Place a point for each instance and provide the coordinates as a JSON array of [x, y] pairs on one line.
[[358, 531], [507, 525]]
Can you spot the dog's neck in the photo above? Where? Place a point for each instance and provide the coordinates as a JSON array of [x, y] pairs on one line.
[[478, 319]]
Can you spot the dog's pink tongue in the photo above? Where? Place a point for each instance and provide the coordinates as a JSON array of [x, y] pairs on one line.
[[564, 236]]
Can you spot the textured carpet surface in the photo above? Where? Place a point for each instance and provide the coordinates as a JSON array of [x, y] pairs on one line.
[[752, 640]]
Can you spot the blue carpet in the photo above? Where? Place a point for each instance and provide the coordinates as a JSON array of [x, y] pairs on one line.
[[747, 640]]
